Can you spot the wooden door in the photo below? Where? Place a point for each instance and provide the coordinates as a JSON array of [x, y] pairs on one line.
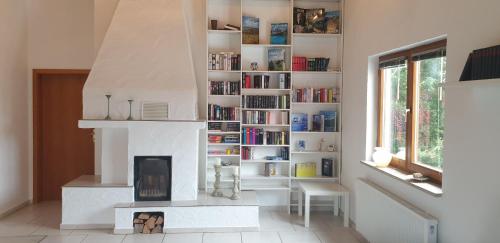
[[63, 151]]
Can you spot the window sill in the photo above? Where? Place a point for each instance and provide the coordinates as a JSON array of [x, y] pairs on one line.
[[428, 187]]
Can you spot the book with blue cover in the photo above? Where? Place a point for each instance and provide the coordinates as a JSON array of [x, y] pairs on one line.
[[299, 122], [279, 33], [330, 120], [332, 22]]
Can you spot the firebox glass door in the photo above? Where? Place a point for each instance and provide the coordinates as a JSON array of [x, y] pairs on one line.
[[152, 178]]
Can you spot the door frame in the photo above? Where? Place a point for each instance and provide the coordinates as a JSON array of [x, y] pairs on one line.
[[37, 74]]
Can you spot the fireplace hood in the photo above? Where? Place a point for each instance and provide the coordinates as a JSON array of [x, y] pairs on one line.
[[146, 57]]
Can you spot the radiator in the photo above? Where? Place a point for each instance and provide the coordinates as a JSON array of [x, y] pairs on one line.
[[382, 217]]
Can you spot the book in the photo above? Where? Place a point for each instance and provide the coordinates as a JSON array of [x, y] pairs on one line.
[[284, 80], [332, 22], [231, 27], [261, 81], [318, 123], [330, 120], [315, 20], [327, 168], [266, 101], [270, 169], [276, 59], [220, 113], [224, 61], [307, 169], [279, 33], [299, 122], [250, 30], [299, 20], [265, 117], [310, 64]]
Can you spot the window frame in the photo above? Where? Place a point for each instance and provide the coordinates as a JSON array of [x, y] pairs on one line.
[[409, 164]]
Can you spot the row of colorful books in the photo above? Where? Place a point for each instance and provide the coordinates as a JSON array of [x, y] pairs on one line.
[[263, 81], [224, 127], [266, 101], [317, 64], [257, 136], [248, 153], [232, 138], [221, 113], [316, 95], [265, 117], [224, 61], [316, 20], [224, 87], [325, 121], [235, 150]]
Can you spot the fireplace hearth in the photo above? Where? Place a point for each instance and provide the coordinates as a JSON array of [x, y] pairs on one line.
[[152, 178]]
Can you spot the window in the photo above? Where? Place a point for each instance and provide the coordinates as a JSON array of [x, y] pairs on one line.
[[411, 108]]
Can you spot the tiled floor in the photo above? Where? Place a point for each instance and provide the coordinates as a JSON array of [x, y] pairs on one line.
[[40, 223]]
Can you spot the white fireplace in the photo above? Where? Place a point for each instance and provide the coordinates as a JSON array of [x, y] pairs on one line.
[[146, 57]]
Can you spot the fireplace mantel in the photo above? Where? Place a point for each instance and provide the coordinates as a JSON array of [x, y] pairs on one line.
[[125, 123]]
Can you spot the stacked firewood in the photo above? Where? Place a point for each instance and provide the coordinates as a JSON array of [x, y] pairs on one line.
[[148, 223]]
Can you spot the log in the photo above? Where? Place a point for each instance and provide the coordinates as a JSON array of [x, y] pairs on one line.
[[159, 220], [157, 229], [146, 230], [138, 221], [144, 216], [138, 228], [150, 223]]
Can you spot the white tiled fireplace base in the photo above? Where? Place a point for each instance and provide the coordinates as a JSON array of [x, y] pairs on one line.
[[202, 215], [89, 204]]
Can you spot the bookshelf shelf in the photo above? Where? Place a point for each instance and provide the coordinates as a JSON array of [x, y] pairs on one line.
[[316, 72], [222, 133], [266, 125], [231, 32], [265, 45], [224, 71], [223, 167], [315, 178], [314, 103], [221, 121], [308, 45], [263, 71], [315, 35], [315, 152], [223, 144], [262, 177], [265, 145], [223, 155], [225, 96], [313, 132], [265, 90], [263, 109], [265, 188], [265, 161]]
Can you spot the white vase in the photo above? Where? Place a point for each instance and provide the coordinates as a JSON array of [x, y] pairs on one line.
[[381, 157]]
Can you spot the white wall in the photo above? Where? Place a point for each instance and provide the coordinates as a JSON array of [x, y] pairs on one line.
[[468, 210], [60, 36], [14, 189]]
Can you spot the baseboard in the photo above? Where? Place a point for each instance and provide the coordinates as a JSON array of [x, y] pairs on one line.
[[211, 230], [15, 209], [85, 226]]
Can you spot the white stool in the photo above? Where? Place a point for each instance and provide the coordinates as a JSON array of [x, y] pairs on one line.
[[323, 189]]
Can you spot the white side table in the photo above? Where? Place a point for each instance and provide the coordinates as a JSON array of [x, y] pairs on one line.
[[323, 189]]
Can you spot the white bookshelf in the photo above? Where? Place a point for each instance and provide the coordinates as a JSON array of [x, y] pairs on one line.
[[298, 44]]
